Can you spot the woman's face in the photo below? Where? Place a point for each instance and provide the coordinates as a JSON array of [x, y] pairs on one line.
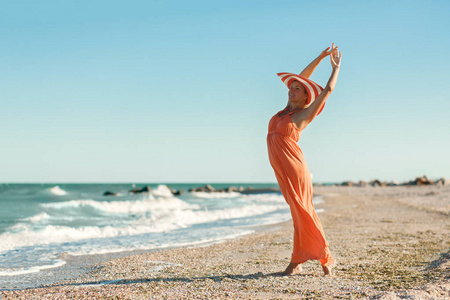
[[298, 94]]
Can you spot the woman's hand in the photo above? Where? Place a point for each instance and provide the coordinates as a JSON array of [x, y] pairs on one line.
[[325, 52], [307, 72], [335, 58]]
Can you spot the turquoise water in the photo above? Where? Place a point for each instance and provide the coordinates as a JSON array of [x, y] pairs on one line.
[[19, 201]]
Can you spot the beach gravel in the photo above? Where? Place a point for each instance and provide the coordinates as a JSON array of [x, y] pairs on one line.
[[389, 243]]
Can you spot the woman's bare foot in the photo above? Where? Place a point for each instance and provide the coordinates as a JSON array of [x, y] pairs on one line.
[[293, 269], [327, 270]]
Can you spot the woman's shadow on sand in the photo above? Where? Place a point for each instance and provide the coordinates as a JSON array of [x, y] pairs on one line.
[[218, 278]]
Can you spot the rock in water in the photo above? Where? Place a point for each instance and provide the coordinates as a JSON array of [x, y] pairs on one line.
[[108, 193], [145, 189], [206, 188]]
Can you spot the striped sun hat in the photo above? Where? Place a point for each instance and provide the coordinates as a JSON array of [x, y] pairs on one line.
[[312, 88]]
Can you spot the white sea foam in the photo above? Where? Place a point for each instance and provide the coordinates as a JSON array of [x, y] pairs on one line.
[[214, 195], [160, 220], [56, 190], [22, 271], [151, 215], [60, 234], [264, 198], [162, 191], [38, 217], [125, 207]]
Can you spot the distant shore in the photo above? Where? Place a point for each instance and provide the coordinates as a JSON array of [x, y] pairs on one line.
[[249, 189], [389, 243]]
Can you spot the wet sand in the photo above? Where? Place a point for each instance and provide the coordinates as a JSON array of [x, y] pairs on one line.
[[389, 243]]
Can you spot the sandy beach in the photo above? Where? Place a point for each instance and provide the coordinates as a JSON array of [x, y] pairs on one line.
[[389, 243]]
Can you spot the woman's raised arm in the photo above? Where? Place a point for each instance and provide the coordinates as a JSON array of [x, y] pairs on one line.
[[304, 117], [307, 72]]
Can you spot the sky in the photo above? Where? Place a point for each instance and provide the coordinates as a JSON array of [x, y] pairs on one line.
[[182, 91]]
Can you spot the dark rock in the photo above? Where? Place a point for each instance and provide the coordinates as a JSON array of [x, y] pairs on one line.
[[376, 182], [226, 190], [422, 181], [231, 189], [206, 188], [347, 183], [174, 192], [145, 189], [108, 193]]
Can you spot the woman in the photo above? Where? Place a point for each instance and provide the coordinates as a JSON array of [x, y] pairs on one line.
[[306, 101]]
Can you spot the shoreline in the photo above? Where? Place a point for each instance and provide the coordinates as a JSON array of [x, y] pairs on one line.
[[389, 242], [39, 247]]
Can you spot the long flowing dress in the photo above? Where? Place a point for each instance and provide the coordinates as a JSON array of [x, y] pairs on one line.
[[295, 183]]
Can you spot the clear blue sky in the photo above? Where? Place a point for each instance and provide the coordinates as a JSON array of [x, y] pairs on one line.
[[182, 91]]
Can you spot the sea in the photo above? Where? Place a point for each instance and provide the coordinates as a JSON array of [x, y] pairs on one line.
[[41, 225]]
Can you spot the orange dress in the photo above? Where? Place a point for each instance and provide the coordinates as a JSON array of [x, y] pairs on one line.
[[295, 183]]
